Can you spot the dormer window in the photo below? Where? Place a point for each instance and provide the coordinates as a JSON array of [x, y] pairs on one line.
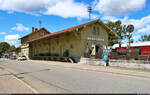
[[95, 30], [41, 33]]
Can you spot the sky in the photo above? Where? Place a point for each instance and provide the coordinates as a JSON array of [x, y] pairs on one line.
[[17, 17]]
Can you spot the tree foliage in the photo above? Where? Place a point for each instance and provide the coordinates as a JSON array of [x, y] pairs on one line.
[[12, 48], [117, 27], [5, 47], [144, 38]]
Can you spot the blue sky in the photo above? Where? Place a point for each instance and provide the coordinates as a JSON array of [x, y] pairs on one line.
[[18, 16]]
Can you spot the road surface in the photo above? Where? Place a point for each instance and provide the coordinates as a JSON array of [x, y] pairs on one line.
[[49, 78]]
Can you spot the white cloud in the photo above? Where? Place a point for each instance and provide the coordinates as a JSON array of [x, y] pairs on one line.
[[12, 39], [20, 27], [136, 37], [63, 8], [142, 25], [145, 30], [23, 6], [68, 9], [110, 18], [2, 33], [138, 23], [119, 7]]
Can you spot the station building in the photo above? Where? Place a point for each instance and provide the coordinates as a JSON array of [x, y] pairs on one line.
[[88, 39], [24, 49]]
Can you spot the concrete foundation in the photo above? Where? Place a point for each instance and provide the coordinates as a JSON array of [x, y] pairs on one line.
[[91, 61], [131, 64]]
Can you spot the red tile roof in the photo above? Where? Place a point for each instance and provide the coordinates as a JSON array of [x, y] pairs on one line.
[[60, 32]]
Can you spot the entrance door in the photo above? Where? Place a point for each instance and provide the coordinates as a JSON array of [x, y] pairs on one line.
[[99, 51]]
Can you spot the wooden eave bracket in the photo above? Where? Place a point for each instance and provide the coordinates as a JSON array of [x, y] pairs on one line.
[[76, 35]]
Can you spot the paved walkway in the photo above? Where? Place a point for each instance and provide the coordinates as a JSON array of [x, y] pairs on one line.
[[10, 84]]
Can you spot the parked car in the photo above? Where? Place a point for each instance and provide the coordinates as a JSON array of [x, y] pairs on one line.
[[12, 57], [20, 58]]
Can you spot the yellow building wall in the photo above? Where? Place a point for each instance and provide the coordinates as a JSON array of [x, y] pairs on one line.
[[33, 36], [18, 53], [25, 46], [74, 41], [87, 32], [58, 45], [25, 50]]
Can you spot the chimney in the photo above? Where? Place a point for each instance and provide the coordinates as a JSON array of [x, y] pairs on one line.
[[32, 29], [36, 29]]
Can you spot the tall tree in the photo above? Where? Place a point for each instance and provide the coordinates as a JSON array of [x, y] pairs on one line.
[[118, 28], [4, 46], [144, 38]]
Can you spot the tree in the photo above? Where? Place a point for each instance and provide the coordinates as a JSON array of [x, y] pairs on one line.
[[4, 46], [11, 48], [144, 38], [117, 27]]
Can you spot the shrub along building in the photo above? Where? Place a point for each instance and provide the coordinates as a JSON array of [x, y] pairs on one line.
[[75, 42]]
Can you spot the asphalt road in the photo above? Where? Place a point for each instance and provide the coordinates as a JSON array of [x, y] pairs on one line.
[[48, 78]]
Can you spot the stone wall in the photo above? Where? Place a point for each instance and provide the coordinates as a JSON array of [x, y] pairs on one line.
[[138, 64]]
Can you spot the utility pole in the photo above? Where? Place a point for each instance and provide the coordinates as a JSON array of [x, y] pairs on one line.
[[89, 11]]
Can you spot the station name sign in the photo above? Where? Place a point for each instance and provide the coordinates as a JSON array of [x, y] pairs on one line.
[[95, 39]]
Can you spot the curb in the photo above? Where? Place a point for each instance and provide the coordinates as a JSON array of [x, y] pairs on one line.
[[22, 81]]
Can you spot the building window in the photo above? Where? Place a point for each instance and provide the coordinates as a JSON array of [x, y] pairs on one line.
[[41, 33], [95, 30]]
